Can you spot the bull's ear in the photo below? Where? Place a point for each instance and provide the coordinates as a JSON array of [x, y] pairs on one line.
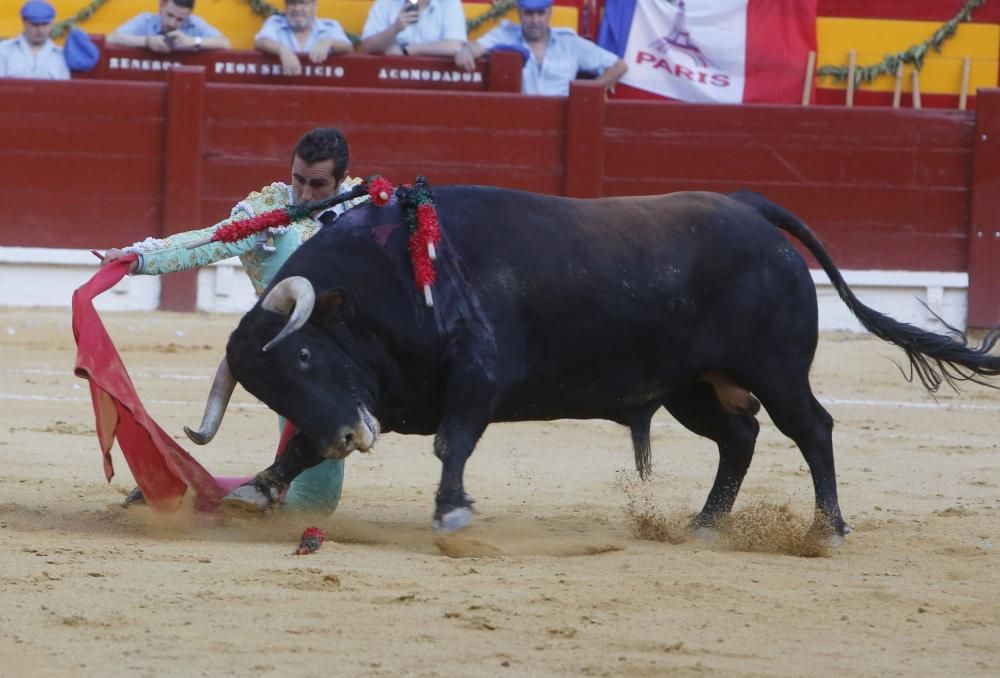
[[329, 306]]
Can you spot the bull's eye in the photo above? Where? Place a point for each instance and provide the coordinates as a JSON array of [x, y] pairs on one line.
[[304, 356]]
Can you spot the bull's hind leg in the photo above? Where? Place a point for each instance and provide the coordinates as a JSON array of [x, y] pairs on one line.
[[796, 412], [699, 410]]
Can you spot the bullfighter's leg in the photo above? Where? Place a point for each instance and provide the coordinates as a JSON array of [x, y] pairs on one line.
[[318, 488], [797, 414], [267, 486], [699, 410]]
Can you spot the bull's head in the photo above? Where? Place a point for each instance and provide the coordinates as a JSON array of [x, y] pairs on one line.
[[290, 352]]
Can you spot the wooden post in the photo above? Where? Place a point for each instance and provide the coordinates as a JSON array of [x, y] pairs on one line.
[[807, 85], [503, 72], [182, 159], [984, 216], [916, 86], [852, 63], [964, 94], [583, 173], [897, 89]]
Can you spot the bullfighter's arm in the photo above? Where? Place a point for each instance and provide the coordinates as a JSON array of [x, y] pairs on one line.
[[169, 255]]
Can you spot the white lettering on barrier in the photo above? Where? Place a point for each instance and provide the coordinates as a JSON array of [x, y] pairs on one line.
[[126, 64], [427, 75]]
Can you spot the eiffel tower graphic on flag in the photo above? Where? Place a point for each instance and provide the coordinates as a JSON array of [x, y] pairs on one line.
[[680, 40]]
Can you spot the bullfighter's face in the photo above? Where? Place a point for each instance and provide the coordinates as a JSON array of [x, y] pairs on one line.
[[307, 378], [313, 181]]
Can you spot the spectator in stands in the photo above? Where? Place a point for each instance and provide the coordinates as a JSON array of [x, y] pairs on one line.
[[33, 54], [552, 56], [173, 29], [319, 171], [298, 31], [426, 27]]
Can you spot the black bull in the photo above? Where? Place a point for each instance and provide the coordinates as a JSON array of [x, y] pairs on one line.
[[551, 308]]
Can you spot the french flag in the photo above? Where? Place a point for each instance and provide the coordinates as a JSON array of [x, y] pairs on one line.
[[711, 51]]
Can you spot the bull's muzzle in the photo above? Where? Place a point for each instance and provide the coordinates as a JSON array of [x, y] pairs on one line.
[[361, 436]]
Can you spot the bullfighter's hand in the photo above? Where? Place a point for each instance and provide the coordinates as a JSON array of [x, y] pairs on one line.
[[113, 254]]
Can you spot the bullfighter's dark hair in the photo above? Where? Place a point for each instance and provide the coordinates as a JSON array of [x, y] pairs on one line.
[[186, 4], [324, 143]]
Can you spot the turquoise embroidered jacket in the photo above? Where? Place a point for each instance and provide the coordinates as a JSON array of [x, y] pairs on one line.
[[261, 254]]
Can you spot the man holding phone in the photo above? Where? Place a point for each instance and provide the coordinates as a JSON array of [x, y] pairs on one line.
[[172, 29], [418, 27]]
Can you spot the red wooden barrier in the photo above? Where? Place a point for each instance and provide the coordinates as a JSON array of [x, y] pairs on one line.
[[984, 224], [83, 163], [885, 190]]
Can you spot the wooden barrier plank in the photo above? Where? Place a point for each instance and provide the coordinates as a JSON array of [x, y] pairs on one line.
[[912, 10], [862, 229], [97, 146], [984, 224], [584, 166], [182, 181]]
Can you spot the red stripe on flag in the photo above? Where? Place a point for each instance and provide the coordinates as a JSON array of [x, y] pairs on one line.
[[780, 34]]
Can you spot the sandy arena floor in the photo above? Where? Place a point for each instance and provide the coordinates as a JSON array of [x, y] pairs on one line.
[[551, 579]]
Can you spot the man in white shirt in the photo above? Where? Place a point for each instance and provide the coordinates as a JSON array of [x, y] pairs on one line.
[[33, 54], [298, 31], [552, 56], [425, 27]]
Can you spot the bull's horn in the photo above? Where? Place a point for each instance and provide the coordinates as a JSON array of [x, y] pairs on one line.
[[291, 293], [215, 408]]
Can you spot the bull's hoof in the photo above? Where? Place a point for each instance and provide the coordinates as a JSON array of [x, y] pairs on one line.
[[455, 519], [247, 499], [707, 534]]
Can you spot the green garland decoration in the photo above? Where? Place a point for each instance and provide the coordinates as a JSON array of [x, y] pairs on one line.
[[495, 12], [61, 27], [914, 55], [263, 8]]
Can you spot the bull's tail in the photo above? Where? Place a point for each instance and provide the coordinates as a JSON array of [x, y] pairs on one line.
[[935, 358]]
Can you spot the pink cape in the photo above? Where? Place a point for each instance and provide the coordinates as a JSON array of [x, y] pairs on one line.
[[161, 468]]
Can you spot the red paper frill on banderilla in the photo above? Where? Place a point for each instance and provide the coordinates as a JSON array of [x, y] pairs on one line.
[[161, 468]]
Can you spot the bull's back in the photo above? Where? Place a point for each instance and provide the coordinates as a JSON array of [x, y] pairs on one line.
[[615, 299]]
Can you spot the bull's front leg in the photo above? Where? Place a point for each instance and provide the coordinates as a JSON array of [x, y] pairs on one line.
[[465, 419], [269, 485]]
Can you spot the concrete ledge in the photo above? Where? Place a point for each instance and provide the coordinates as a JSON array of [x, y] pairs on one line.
[[47, 277]]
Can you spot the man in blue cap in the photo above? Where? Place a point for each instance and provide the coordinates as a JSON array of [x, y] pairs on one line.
[[33, 54], [173, 29], [553, 56]]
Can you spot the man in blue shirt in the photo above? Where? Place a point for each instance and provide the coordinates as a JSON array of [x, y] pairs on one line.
[[298, 31], [426, 27], [173, 29], [553, 55], [33, 54]]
